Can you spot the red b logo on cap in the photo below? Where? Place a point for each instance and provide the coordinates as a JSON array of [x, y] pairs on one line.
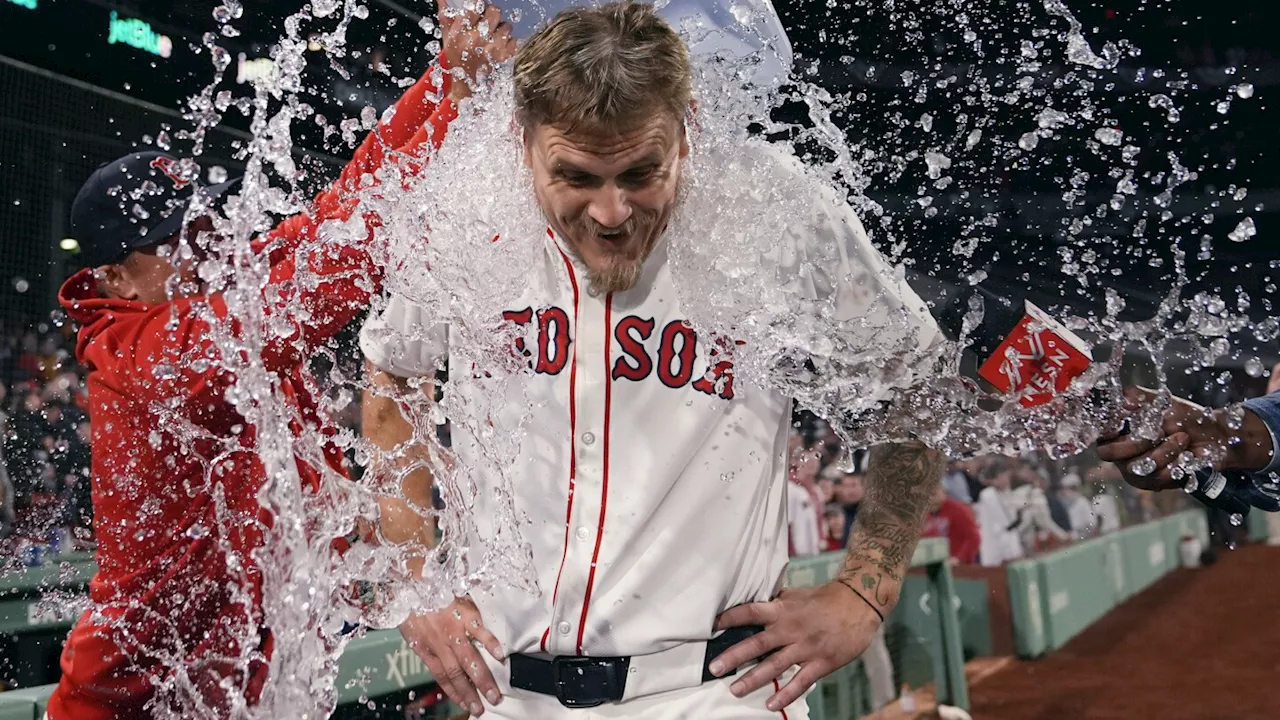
[[165, 165]]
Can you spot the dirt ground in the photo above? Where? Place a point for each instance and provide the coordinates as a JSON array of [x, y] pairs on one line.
[[1198, 645]]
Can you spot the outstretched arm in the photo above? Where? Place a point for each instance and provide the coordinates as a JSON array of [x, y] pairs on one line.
[[1243, 441]]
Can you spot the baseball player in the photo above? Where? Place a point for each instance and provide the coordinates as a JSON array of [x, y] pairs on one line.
[[177, 592], [656, 490]]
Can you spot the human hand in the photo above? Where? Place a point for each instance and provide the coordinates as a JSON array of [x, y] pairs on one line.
[[821, 629], [443, 640], [473, 43], [1188, 433]]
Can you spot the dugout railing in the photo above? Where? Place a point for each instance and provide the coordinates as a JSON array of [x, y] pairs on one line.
[[1056, 596]]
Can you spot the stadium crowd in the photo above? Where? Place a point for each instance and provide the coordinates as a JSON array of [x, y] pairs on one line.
[[45, 455], [992, 509]]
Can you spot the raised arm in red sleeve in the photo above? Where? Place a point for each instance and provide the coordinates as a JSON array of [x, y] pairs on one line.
[[340, 279]]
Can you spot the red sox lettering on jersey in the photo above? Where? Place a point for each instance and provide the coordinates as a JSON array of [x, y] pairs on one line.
[[672, 362]]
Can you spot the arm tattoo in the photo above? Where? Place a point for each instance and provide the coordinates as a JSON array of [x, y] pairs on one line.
[[900, 480]]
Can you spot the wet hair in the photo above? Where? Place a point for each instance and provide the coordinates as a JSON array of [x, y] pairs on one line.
[[603, 69]]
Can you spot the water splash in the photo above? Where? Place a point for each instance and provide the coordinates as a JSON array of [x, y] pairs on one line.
[[436, 247]]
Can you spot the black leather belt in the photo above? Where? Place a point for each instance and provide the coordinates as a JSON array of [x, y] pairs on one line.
[[583, 682]]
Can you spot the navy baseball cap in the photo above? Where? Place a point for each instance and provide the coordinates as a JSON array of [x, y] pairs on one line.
[[135, 201]]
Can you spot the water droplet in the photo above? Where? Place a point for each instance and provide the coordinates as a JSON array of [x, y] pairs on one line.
[[221, 58], [162, 140], [1109, 136], [1253, 367], [1052, 119], [937, 162], [1143, 467], [217, 174], [1245, 90], [1244, 230], [1160, 100], [323, 8], [21, 285], [222, 13], [1236, 519], [1029, 141]]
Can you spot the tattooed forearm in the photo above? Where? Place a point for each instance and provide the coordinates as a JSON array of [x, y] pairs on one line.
[[900, 480]]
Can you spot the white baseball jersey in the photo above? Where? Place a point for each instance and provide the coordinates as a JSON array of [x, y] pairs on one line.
[[656, 488]]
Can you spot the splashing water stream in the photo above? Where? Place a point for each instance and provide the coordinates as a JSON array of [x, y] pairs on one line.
[[741, 193]]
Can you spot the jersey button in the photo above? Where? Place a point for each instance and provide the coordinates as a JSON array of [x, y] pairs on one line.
[[583, 533], [588, 438], [564, 628]]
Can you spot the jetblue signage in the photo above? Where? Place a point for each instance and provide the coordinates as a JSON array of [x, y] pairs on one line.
[[137, 33]]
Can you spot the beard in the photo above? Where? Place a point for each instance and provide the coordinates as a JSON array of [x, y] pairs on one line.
[[619, 269]]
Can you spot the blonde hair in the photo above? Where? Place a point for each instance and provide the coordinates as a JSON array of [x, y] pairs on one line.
[[607, 68]]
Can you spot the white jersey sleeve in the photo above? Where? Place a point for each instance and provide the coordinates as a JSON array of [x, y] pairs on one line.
[[403, 340], [867, 300]]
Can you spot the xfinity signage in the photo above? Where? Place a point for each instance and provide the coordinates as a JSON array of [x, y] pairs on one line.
[[137, 33]]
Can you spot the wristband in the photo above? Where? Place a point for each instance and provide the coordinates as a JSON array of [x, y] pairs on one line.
[[863, 597]]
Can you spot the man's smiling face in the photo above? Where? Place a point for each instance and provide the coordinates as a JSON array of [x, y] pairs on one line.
[[608, 194]]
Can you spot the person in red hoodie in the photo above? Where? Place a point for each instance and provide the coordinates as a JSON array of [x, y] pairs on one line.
[[954, 521], [177, 591]]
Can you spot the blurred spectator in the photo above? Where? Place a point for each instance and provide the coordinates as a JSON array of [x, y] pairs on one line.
[[839, 534], [24, 444], [1058, 511], [847, 493], [1039, 529], [44, 447], [954, 521], [1079, 512], [805, 516], [1105, 506], [956, 482], [999, 515]]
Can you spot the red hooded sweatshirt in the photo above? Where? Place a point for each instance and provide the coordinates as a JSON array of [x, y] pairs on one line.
[[176, 585]]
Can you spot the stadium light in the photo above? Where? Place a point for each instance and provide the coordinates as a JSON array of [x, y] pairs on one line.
[[69, 244]]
